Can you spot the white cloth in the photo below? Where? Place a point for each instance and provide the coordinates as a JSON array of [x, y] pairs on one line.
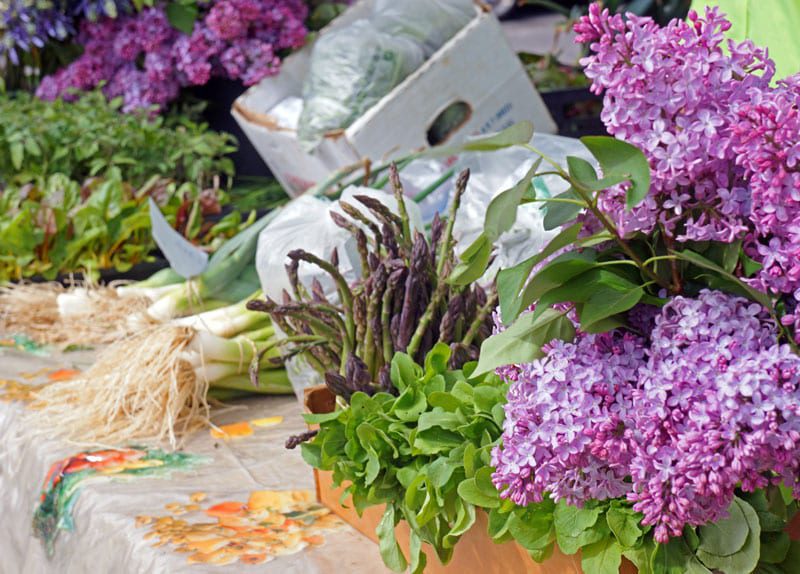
[[106, 539]]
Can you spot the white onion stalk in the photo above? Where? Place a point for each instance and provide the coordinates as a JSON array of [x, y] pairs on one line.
[[74, 302], [226, 321], [177, 301], [150, 293], [260, 334], [272, 382], [208, 348]]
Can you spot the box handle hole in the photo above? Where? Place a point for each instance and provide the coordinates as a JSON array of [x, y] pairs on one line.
[[448, 122]]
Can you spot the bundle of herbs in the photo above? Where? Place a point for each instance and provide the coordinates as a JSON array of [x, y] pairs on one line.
[[425, 454], [403, 301]]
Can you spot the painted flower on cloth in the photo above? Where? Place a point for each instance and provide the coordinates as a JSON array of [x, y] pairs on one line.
[[68, 476], [270, 524]]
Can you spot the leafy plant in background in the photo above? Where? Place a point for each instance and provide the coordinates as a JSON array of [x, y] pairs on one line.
[[61, 226], [322, 12], [75, 177], [90, 138], [651, 347]]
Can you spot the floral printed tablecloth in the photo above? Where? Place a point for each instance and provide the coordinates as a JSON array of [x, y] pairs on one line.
[[244, 504]]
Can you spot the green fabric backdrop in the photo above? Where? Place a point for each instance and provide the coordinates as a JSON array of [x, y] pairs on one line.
[[771, 23]]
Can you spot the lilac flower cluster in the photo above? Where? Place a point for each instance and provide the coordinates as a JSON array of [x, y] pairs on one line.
[[767, 147], [28, 24], [721, 142], [144, 60], [554, 407], [675, 422], [25, 25]]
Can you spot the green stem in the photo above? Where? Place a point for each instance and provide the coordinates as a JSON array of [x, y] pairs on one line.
[[386, 321], [616, 262], [585, 195], [344, 293], [446, 246], [427, 316], [559, 200], [397, 189], [659, 258], [480, 318]]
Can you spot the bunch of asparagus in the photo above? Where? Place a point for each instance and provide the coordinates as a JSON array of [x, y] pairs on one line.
[[401, 303]]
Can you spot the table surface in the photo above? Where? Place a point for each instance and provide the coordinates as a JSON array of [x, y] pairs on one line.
[[106, 536]]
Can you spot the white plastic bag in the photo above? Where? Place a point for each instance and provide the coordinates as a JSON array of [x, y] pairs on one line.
[[304, 223], [352, 68], [430, 22], [496, 171]]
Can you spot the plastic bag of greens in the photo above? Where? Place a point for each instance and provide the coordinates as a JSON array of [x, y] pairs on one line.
[[352, 68], [430, 22]]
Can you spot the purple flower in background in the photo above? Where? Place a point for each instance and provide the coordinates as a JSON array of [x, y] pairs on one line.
[[26, 25], [673, 92], [145, 61]]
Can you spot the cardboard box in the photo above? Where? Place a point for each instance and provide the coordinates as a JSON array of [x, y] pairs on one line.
[[474, 553], [476, 68]]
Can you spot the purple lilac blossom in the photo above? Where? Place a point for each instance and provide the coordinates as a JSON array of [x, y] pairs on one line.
[[673, 92], [767, 147], [145, 61], [709, 403], [28, 24], [721, 141], [25, 25]]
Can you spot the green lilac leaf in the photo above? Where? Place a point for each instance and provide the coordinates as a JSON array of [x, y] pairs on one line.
[[473, 263], [605, 303], [519, 133], [510, 281], [182, 16], [557, 213], [700, 261], [522, 342], [624, 523], [620, 159], [502, 210]]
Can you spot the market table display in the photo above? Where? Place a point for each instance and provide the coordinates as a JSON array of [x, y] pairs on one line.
[[227, 499]]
